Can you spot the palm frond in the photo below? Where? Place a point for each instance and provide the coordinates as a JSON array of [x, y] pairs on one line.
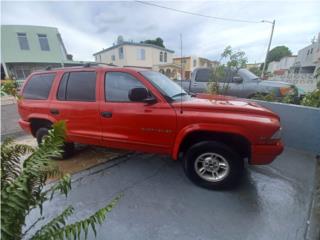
[[23, 193], [57, 228], [11, 154]]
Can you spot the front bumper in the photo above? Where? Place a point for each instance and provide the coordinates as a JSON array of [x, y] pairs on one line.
[[25, 125], [265, 154]]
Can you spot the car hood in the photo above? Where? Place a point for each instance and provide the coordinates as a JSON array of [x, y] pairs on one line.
[[269, 83], [206, 102]]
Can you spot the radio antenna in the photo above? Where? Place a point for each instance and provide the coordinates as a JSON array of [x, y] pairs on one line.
[[181, 111]]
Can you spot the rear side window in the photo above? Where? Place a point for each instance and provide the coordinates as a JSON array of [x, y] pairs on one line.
[[118, 85], [38, 87], [203, 75], [77, 86]]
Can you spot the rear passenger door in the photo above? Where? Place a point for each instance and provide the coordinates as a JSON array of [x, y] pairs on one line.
[[76, 103]]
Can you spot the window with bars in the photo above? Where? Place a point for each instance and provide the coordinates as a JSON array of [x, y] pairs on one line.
[[43, 41], [23, 41]]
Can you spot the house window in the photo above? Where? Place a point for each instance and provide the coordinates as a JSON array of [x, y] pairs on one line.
[[23, 41], [194, 62], [141, 54], [121, 55], [43, 40], [113, 58], [165, 57], [100, 58], [161, 56], [311, 50]]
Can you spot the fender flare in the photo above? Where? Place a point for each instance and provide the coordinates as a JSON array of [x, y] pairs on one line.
[[221, 128], [41, 116]]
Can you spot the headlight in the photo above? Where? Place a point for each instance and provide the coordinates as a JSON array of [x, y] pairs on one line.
[[277, 134]]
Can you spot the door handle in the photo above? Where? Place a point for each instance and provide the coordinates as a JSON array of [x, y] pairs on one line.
[[54, 111], [194, 84], [106, 114]]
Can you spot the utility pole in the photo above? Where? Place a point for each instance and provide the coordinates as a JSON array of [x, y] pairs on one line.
[[270, 40]]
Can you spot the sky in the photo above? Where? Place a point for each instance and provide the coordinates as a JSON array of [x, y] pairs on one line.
[[88, 27]]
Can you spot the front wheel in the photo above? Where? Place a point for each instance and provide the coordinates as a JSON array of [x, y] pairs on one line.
[[213, 165], [68, 148]]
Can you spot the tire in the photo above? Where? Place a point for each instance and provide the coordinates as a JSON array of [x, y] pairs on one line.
[[213, 165], [68, 148]]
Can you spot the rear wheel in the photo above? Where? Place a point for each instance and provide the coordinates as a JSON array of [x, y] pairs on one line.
[[68, 148], [213, 165]]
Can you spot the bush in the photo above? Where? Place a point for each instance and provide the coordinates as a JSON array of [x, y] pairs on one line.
[[9, 87], [22, 189], [312, 99]]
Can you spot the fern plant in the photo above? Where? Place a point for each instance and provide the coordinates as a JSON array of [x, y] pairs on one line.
[[22, 189]]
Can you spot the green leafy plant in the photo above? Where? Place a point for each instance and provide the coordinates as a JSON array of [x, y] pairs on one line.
[[22, 190], [217, 75], [312, 99], [270, 97], [234, 60], [9, 87]]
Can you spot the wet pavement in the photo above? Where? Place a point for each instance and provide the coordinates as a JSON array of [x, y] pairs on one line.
[[159, 202]]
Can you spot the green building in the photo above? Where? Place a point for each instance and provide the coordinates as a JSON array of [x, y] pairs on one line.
[[25, 49]]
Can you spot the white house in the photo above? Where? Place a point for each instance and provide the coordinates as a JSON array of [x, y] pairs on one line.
[[130, 54], [308, 58]]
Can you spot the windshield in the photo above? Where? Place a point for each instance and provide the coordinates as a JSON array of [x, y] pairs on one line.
[[247, 75], [165, 85]]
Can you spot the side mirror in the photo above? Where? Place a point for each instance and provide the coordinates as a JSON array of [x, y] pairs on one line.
[[141, 94], [237, 80]]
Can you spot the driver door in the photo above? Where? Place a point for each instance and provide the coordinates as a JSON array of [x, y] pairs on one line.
[[134, 125]]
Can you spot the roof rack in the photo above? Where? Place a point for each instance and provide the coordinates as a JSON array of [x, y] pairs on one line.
[[90, 64]]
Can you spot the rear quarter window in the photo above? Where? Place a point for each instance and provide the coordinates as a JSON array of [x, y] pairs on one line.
[[38, 87]]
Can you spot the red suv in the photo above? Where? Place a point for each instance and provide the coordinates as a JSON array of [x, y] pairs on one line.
[[143, 110]]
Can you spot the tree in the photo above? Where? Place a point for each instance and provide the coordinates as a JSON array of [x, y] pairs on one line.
[[277, 53], [22, 189], [235, 60], [158, 42], [255, 70]]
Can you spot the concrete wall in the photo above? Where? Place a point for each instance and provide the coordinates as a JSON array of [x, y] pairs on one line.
[[301, 125]]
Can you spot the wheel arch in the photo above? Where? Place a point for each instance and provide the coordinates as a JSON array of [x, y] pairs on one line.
[[37, 122], [231, 135]]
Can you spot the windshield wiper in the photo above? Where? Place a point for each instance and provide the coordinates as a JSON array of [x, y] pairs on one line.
[[179, 94]]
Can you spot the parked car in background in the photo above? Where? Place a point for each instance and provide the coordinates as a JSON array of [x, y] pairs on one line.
[[240, 83], [145, 111]]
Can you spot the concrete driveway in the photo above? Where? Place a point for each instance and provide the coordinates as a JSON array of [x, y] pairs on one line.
[[159, 202]]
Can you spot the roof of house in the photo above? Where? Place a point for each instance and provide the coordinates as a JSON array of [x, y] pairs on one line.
[[134, 44]]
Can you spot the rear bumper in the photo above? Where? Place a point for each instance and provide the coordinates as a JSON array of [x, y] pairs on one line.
[[265, 154], [25, 125]]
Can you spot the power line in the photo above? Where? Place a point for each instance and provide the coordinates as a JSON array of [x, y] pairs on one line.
[[198, 14]]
